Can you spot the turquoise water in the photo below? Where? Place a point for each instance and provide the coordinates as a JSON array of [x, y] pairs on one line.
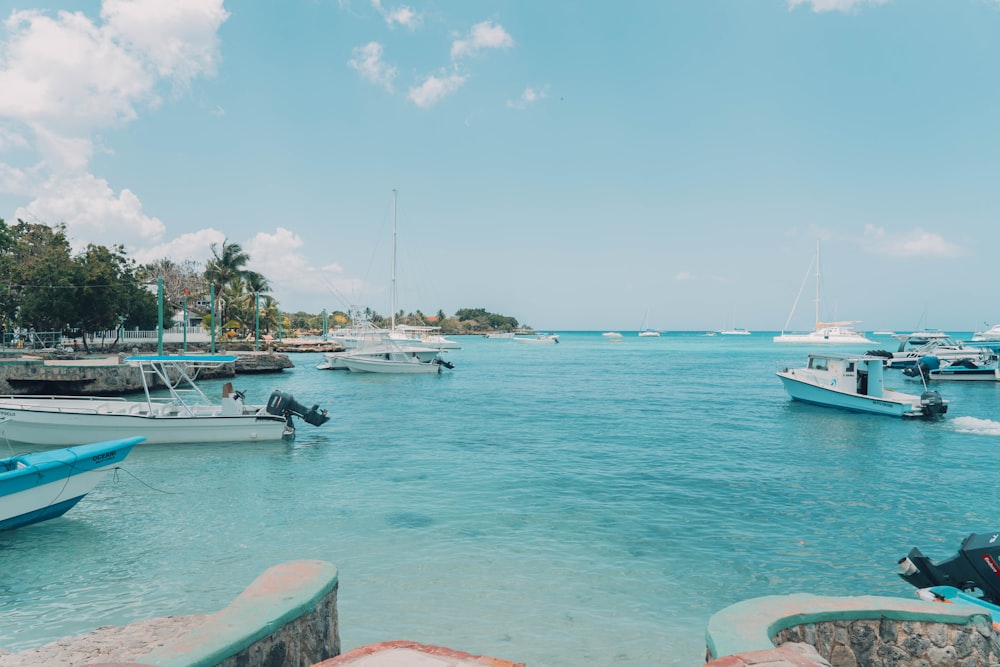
[[583, 503]]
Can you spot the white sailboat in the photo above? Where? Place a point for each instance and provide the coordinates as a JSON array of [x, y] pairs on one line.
[[646, 332], [826, 332], [735, 331], [389, 354]]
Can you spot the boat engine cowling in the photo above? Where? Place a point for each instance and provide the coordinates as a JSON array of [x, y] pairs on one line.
[[923, 367], [976, 566], [285, 405], [932, 405]]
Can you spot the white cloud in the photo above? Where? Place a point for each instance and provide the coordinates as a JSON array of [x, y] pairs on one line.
[[485, 35], [91, 210], [368, 61], [178, 39], [914, 244], [834, 5], [684, 276], [403, 15], [194, 246], [277, 256], [65, 77], [434, 89], [528, 97]]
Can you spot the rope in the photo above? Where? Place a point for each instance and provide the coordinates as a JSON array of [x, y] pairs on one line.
[[149, 486]]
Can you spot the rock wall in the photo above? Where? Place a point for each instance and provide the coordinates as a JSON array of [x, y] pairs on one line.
[[286, 618], [892, 643], [109, 376]]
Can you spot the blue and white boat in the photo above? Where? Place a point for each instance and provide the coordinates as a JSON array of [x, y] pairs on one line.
[[982, 368], [915, 346], [857, 384], [44, 485]]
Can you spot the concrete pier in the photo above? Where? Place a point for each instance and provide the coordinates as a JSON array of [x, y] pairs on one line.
[[108, 374]]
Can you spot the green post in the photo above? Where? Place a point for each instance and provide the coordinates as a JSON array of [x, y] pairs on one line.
[[185, 348], [159, 321], [256, 321], [325, 327], [211, 290]]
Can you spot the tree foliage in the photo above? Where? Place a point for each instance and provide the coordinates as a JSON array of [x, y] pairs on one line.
[[46, 288], [480, 318], [177, 278]]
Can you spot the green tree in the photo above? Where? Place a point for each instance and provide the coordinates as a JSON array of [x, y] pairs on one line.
[[227, 265], [44, 277], [110, 292]]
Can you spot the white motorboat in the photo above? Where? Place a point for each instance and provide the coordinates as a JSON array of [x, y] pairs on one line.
[[422, 336], [185, 415], [981, 368], [368, 341], [825, 333], [856, 384], [917, 345], [538, 338], [44, 485], [407, 365], [988, 335], [338, 361]]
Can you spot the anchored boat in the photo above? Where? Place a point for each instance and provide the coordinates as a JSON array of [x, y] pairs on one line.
[[44, 485], [857, 384], [186, 415]]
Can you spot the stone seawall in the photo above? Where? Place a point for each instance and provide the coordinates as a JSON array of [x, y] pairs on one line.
[[803, 630], [890, 643], [286, 618], [109, 375]]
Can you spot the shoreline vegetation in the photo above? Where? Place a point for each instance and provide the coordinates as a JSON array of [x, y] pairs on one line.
[[47, 287]]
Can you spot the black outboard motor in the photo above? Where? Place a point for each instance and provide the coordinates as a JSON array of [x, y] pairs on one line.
[[923, 367], [285, 405], [932, 405], [976, 566]]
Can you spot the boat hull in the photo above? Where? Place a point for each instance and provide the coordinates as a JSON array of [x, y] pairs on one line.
[[337, 361], [66, 422], [807, 392], [45, 485], [398, 367]]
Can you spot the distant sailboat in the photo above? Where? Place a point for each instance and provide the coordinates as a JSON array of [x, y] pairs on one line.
[[825, 332], [735, 331], [646, 332]]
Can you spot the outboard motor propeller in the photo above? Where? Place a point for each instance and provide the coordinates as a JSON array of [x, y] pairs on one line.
[[285, 405], [976, 566]]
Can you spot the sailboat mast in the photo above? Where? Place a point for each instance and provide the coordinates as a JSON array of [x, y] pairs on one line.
[[817, 283], [392, 318]]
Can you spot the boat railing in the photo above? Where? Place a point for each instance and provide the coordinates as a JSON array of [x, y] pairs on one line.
[[101, 405]]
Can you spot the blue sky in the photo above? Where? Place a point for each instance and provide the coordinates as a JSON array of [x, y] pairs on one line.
[[575, 165]]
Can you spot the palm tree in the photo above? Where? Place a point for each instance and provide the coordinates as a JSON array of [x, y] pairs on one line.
[[225, 267]]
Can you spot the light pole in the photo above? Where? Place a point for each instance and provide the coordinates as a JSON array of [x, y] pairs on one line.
[[256, 321], [185, 347]]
